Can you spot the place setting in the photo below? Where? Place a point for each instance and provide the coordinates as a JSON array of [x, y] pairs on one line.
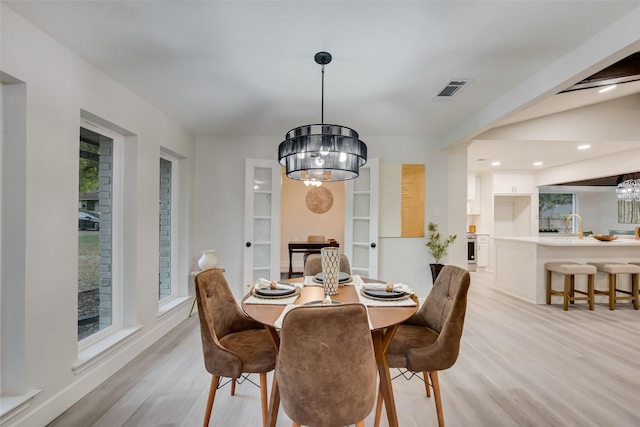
[[265, 291], [380, 294], [343, 278]]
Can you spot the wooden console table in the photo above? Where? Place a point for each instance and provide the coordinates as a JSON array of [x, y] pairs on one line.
[[307, 247]]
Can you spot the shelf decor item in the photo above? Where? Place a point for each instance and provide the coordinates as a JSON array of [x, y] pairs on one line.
[[330, 269], [437, 247], [208, 260]]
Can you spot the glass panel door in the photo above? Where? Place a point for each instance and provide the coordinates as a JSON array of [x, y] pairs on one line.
[[262, 220], [361, 218]]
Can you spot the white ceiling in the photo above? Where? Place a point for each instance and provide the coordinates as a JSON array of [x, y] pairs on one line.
[[247, 68]]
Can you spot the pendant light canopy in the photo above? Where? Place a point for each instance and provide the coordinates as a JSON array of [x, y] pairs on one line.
[[322, 152]]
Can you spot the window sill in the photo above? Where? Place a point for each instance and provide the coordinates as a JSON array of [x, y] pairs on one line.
[[92, 354], [11, 405], [169, 306]]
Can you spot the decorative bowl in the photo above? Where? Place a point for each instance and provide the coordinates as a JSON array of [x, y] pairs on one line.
[[604, 237]]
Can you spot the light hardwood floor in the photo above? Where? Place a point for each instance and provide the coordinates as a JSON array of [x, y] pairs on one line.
[[520, 365]]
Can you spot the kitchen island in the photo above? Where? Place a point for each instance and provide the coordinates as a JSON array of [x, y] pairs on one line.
[[519, 262]]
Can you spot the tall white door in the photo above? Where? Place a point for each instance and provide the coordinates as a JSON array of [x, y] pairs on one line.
[[361, 221], [262, 220]]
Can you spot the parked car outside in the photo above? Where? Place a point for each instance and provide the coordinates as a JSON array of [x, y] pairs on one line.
[[87, 221]]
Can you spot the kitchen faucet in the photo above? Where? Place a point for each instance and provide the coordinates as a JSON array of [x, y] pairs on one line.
[[580, 234]]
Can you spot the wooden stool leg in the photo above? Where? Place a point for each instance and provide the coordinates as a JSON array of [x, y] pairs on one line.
[[549, 286], [590, 291], [572, 292], [635, 291], [567, 285], [612, 291]]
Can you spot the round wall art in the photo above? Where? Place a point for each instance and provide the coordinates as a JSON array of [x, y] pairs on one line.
[[319, 199]]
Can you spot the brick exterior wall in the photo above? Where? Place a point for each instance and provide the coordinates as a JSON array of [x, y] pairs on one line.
[[165, 229], [105, 193]]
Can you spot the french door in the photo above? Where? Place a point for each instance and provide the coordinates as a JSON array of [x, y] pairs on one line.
[[361, 221], [262, 220]]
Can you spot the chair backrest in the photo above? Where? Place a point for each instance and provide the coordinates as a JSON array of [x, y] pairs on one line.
[[313, 265], [443, 312], [219, 316], [326, 365], [316, 239]]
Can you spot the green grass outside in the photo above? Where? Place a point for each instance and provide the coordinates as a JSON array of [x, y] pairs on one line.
[[88, 261]]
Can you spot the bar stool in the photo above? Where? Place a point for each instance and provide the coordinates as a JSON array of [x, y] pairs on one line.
[[570, 270], [613, 269]]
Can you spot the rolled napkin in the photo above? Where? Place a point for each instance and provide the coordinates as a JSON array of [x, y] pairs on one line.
[[272, 284], [398, 287]]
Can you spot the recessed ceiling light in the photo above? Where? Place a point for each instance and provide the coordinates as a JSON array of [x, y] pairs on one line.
[[607, 88], [584, 147], [537, 163], [495, 163]]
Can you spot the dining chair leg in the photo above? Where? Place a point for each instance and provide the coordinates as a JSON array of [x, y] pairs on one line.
[[233, 387], [212, 395], [263, 398], [436, 396], [295, 424], [425, 376], [360, 423], [376, 423]]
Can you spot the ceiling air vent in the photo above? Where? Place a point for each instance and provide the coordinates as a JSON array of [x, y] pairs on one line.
[[450, 89]]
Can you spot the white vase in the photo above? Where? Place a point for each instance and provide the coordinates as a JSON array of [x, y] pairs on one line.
[[208, 260]]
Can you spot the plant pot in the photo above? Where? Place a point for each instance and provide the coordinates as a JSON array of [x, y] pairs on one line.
[[435, 270]]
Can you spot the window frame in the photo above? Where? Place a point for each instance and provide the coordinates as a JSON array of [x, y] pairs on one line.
[[175, 223], [117, 196]]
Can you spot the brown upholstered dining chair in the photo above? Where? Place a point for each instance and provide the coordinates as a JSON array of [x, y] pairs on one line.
[[429, 341], [326, 380], [233, 344], [313, 265]]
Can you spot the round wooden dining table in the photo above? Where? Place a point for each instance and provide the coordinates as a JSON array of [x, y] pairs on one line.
[[384, 322]]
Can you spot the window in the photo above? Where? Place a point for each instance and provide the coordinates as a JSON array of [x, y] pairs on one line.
[[168, 226], [553, 211], [99, 287]]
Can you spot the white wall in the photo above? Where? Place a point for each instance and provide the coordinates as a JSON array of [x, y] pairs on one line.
[[220, 203], [59, 85]]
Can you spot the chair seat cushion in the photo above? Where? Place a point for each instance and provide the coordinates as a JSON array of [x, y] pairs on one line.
[[570, 268], [408, 337], [616, 267], [254, 347]]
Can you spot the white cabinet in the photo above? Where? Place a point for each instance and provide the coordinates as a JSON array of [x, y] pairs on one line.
[[513, 183], [473, 195], [482, 257]]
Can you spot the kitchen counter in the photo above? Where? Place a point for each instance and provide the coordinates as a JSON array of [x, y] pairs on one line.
[[519, 261], [574, 241]]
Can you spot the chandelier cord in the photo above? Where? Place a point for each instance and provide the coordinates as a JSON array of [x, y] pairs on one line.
[[322, 101]]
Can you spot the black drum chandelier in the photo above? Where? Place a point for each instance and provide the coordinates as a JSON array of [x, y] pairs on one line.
[[322, 152]]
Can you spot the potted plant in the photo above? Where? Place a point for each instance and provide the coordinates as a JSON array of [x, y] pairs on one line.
[[437, 247]]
